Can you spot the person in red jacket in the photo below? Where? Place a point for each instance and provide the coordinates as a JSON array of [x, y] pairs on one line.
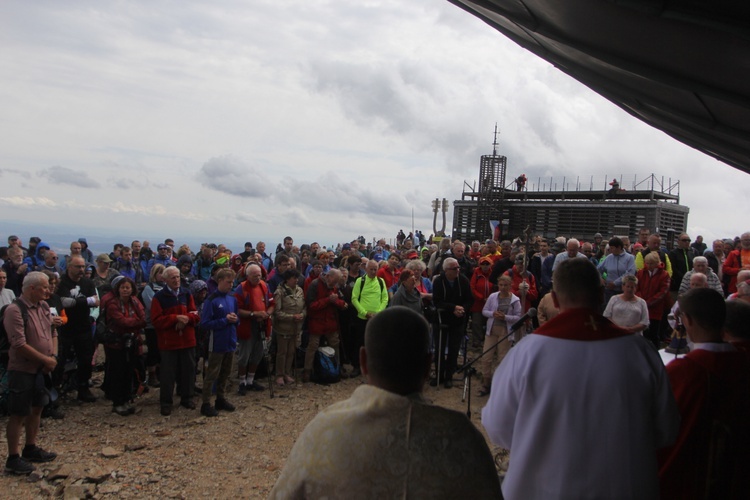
[[391, 272], [523, 283], [711, 384], [126, 318], [653, 287], [481, 288], [174, 316], [323, 304], [256, 306], [737, 260]]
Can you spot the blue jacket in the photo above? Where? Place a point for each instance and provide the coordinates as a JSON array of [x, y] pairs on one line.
[[222, 335], [37, 260], [157, 260]]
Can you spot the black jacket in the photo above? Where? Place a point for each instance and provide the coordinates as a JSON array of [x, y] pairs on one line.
[[447, 297], [78, 315]]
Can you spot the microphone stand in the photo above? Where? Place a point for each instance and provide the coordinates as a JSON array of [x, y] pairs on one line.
[[471, 371]]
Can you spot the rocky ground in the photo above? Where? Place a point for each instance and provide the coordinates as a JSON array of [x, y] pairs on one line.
[[185, 455]]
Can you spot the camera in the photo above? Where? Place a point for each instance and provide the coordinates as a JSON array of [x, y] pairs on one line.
[[127, 340]]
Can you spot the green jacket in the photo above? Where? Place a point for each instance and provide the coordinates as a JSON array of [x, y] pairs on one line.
[[373, 297]]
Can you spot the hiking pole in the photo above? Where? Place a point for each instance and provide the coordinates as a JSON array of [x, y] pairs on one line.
[[266, 354], [440, 349]]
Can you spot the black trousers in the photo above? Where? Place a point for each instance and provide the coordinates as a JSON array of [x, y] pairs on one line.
[[119, 375], [82, 344], [357, 340], [178, 364], [450, 335]]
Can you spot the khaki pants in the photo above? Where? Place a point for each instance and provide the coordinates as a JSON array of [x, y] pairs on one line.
[[218, 370], [493, 358], [285, 350]]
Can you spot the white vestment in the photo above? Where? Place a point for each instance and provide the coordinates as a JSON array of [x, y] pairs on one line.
[[582, 406]]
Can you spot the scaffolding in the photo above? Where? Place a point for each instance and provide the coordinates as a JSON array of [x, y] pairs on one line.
[[572, 207]]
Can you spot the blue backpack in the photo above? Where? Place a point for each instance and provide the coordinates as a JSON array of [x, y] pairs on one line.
[[325, 367]]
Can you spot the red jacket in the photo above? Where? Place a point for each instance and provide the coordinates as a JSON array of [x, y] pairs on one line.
[[165, 307], [123, 319], [251, 298], [732, 266], [516, 278], [712, 393], [389, 277], [322, 313], [654, 290], [481, 288]]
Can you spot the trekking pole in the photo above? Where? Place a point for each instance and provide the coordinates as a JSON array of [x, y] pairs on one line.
[[266, 354], [440, 349]]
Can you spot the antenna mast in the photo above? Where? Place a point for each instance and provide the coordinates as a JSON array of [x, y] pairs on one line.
[[494, 143]]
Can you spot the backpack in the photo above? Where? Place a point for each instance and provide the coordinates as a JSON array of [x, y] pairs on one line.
[[4, 340], [325, 367], [362, 285]]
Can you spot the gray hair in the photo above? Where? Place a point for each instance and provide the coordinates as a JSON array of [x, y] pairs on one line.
[[416, 266], [700, 260], [449, 261], [170, 270], [34, 278]]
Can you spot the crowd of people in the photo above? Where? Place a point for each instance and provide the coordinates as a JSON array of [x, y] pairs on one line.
[[165, 316]]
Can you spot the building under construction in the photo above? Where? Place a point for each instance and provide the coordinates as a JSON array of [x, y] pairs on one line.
[[565, 207]]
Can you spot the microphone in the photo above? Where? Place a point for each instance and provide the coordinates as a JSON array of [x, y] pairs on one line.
[[531, 313]]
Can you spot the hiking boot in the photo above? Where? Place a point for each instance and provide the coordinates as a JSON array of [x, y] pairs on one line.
[[53, 412], [85, 395], [131, 408], [208, 411], [255, 386], [166, 410], [449, 384], [121, 410], [224, 405], [36, 454], [19, 466], [242, 389], [188, 403], [433, 382]]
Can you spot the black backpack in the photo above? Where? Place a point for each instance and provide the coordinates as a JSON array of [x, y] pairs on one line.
[[4, 340]]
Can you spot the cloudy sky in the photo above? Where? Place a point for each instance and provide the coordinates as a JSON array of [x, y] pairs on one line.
[[319, 119]]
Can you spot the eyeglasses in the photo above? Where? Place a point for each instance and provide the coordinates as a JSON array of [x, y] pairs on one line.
[[452, 268], [685, 239]]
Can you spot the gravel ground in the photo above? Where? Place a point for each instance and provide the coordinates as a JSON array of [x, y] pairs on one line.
[[185, 455]]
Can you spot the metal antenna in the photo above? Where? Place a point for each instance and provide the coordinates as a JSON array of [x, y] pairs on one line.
[[494, 143]]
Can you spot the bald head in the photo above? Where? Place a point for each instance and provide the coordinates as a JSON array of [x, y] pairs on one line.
[[698, 280]]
